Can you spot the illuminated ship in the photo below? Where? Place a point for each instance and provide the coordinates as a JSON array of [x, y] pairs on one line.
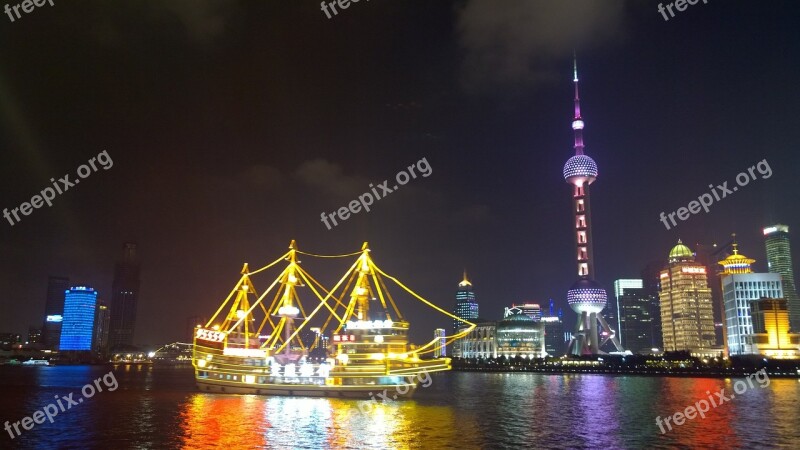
[[282, 349]]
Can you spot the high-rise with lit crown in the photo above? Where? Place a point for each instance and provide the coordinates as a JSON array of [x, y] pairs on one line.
[[779, 260], [687, 318], [466, 304], [586, 297]]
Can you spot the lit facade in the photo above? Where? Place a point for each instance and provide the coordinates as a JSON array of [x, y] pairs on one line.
[[532, 310], [124, 298], [586, 297], [771, 336], [54, 311], [635, 320], [77, 328], [779, 260], [555, 336], [619, 288], [466, 304], [520, 335], [481, 342], [441, 336], [740, 286], [687, 318]]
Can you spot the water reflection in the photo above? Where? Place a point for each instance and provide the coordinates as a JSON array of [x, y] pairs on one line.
[[158, 409], [212, 421]]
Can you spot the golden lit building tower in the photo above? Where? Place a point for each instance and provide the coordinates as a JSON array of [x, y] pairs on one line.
[[771, 336], [687, 317], [586, 297]]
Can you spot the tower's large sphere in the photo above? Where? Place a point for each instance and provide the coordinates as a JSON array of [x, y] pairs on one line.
[[580, 167], [587, 295]]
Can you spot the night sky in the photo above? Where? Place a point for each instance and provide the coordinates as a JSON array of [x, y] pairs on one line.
[[233, 125]]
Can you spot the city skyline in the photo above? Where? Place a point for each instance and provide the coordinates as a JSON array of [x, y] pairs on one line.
[[496, 141], [464, 224]]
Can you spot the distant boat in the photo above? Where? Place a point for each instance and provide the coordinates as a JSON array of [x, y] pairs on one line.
[[36, 362]]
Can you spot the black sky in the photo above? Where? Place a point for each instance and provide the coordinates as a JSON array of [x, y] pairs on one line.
[[233, 125]]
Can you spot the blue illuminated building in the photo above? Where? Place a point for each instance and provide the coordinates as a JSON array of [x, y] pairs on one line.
[[466, 304], [77, 326]]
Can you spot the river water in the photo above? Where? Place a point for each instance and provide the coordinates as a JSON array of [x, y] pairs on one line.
[[159, 408]]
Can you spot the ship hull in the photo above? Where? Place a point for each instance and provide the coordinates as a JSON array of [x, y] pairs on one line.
[[363, 392]]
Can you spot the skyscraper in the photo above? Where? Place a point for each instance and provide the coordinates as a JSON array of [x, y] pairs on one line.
[[441, 350], [687, 318], [586, 296], [636, 320], [740, 286], [635, 315], [102, 321], [779, 260], [619, 288], [466, 304], [124, 298], [555, 338], [77, 329], [54, 311], [651, 281]]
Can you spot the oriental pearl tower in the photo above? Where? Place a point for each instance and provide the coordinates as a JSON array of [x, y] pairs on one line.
[[586, 297]]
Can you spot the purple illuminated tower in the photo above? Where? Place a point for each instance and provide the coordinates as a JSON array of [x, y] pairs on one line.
[[586, 297]]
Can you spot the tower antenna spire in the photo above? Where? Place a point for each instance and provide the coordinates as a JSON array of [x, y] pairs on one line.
[[574, 67], [577, 121]]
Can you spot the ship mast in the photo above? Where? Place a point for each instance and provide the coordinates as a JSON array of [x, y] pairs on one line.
[[288, 312]]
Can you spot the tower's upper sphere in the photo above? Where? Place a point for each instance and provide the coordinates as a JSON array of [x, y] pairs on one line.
[[587, 295], [580, 166]]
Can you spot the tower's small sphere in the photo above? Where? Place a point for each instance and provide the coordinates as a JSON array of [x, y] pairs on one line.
[[580, 166], [587, 295]]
